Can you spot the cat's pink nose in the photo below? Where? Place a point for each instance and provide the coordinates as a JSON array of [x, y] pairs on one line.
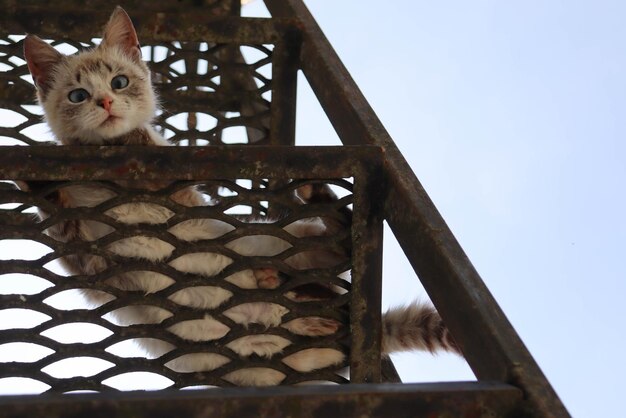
[[105, 103]]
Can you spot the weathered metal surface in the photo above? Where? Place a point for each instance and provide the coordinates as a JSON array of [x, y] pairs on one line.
[[492, 347], [150, 25], [283, 117], [208, 7], [94, 163], [365, 304], [388, 371], [471, 400]]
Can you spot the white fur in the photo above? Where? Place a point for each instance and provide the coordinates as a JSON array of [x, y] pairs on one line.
[[197, 362], [255, 376], [313, 358]]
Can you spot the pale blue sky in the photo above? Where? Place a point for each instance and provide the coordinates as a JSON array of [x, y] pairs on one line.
[[511, 113]]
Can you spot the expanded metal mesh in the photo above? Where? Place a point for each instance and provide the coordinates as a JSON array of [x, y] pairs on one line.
[[47, 332], [210, 93]]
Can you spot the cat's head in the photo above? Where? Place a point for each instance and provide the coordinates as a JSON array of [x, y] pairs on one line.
[[97, 94]]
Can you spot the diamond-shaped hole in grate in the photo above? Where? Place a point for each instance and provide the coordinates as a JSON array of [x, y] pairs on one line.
[[77, 367], [28, 284], [77, 332], [131, 315], [10, 118], [23, 352], [134, 348], [72, 299], [22, 249], [22, 385], [18, 318], [138, 381]]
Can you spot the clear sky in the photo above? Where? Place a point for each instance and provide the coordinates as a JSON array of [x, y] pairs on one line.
[[512, 115]]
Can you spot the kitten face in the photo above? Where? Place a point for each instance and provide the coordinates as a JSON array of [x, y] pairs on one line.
[[97, 95]]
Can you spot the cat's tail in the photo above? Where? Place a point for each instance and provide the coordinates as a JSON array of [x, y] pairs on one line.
[[416, 327]]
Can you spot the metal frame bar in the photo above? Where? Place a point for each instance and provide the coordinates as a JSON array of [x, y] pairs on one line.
[[96, 163], [479, 399], [367, 263], [149, 24], [284, 89]]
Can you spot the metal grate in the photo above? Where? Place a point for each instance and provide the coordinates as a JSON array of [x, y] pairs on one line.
[[212, 94], [215, 86], [299, 294]]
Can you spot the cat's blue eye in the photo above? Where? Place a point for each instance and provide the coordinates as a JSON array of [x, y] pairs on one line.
[[78, 95], [119, 82]]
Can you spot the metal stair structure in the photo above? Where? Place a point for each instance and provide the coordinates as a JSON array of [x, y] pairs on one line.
[[196, 52]]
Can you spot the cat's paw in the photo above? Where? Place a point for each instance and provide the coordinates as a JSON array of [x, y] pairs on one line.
[[267, 278], [312, 326]]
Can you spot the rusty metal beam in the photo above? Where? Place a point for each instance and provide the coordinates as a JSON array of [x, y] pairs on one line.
[[211, 7], [150, 25], [464, 399], [284, 88], [492, 347], [94, 163], [367, 265]]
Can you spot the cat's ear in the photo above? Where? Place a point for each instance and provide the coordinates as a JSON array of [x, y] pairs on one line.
[[120, 32], [41, 58]]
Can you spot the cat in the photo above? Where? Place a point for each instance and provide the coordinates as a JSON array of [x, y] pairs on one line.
[[104, 96]]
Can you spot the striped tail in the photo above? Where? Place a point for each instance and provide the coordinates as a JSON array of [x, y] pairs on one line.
[[416, 327]]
